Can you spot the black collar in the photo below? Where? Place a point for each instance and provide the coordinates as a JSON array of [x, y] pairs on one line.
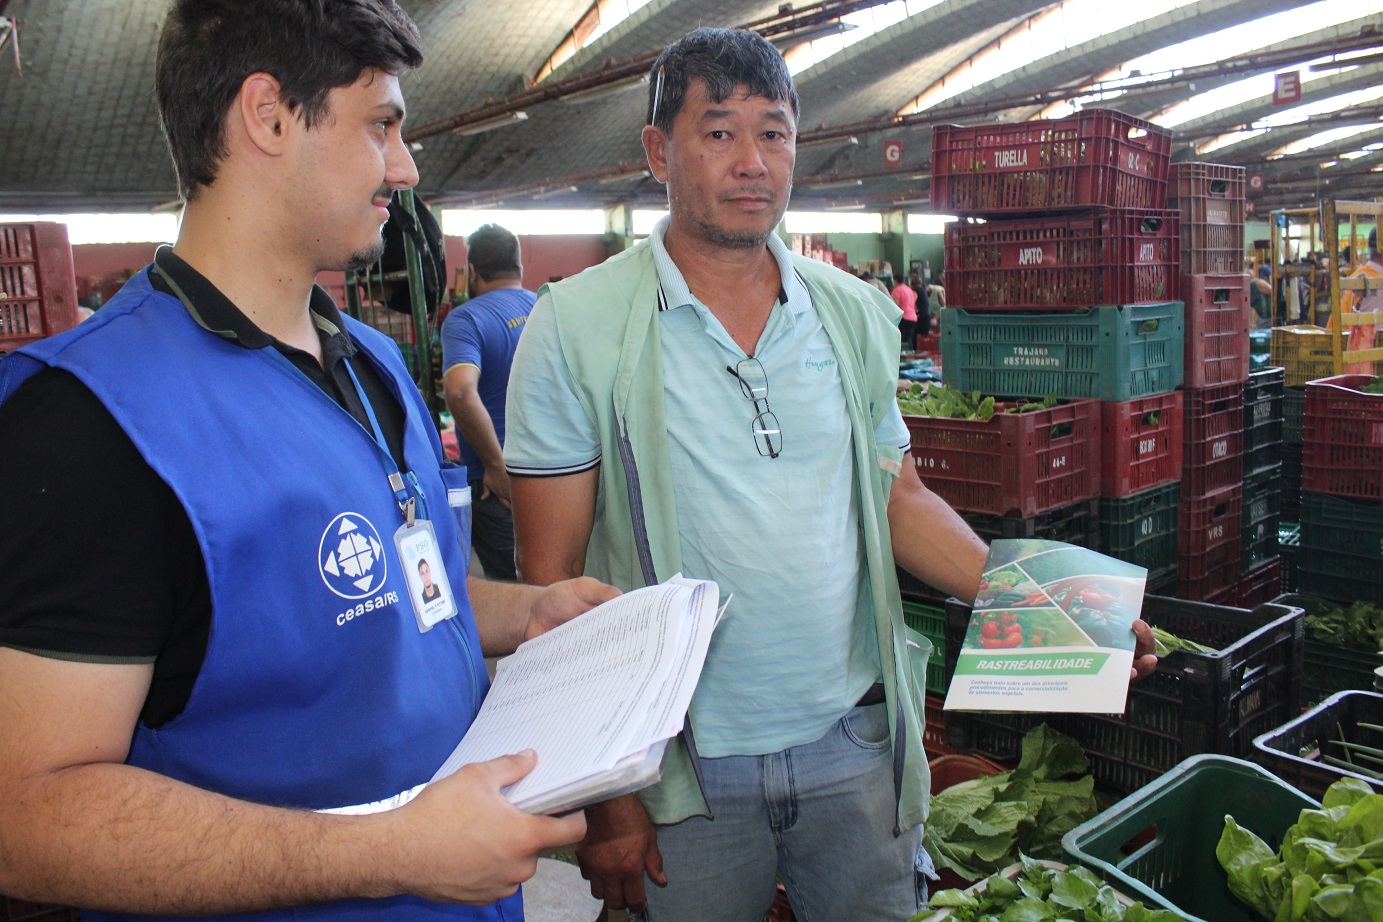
[[218, 314]]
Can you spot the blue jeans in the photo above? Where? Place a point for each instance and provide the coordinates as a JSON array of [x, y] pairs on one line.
[[820, 817]]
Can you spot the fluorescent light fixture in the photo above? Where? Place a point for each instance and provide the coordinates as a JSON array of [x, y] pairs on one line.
[[459, 222], [826, 222], [846, 206], [498, 121], [643, 219], [835, 184], [929, 223], [851, 141], [610, 89], [797, 37], [859, 25], [625, 177], [553, 193], [108, 228]]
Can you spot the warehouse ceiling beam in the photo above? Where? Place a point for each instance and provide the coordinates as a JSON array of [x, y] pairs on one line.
[[615, 75], [1359, 115], [564, 185], [1244, 65]]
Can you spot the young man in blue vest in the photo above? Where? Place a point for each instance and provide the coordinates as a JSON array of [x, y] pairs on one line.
[[706, 402], [217, 493]]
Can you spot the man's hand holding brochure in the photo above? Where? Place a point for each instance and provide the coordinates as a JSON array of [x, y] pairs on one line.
[[597, 698]]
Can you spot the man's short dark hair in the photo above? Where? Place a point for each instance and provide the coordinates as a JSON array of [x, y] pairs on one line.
[[495, 253], [209, 47], [726, 59]]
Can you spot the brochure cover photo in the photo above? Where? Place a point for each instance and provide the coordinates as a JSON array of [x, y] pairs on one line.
[[1051, 630]]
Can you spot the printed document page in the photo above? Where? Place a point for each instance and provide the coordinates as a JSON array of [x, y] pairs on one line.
[[596, 692]]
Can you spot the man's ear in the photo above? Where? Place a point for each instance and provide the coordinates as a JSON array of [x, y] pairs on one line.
[[655, 147], [263, 113]]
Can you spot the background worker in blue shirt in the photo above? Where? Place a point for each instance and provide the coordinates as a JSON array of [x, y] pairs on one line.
[[478, 342]]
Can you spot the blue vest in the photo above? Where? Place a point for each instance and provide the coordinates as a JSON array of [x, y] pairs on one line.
[[317, 690]]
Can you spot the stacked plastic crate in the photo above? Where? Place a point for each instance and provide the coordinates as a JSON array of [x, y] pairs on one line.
[[1062, 279], [1210, 201], [38, 289], [1341, 553]]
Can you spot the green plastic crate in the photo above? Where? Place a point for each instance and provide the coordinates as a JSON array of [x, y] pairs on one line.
[[1158, 843], [930, 621], [1107, 353], [1142, 528]]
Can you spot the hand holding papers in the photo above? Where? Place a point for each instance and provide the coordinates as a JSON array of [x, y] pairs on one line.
[[597, 698], [1051, 630]]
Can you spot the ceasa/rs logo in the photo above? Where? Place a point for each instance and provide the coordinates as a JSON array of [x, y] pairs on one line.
[[351, 557]]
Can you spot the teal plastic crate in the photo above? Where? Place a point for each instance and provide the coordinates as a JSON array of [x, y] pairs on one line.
[[930, 621], [1157, 845], [1341, 554], [1106, 353]]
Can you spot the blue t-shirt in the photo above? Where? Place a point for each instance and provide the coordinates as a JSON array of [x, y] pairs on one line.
[[484, 332], [796, 647]]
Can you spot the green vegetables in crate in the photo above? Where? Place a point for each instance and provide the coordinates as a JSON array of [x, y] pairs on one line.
[[1327, 869], [1358, 627], [1040, 893], [1046, 403], [1373, 387], [1166, 642], [944, 401], [981, 826]]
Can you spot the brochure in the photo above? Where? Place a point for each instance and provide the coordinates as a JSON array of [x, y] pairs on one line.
[[1051, 630]]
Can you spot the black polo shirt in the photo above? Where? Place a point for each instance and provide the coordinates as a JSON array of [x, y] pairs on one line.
[[98, 559]]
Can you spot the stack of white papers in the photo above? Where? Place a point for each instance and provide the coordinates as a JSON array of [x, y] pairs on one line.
[[597, 698]]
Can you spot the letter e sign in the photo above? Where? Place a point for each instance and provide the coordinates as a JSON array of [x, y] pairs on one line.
[[893, 153], [1287, 88]]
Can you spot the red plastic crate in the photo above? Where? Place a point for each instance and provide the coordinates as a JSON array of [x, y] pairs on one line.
[[1217, 329], [1211, 538], [934, 733], [1210, 198], [1099, 257], [1097, 157], [1342, 438], [38, 287], [1014, 463], [1140, 444], [1213, 447], [1261, 584]]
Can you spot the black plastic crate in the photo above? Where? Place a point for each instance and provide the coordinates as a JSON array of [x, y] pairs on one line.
[[1194, 702], [1291, 483], [1296, 751], [1288, 545], [1261, 516], [1076, 524], [1163, 583], [1142, 529], [1263, 420], [1328, 668], [1293, 415]]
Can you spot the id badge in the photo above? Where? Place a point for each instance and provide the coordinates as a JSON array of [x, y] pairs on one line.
[[426, 574]]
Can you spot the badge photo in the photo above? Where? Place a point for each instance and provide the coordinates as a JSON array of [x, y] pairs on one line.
[[429, 590]]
